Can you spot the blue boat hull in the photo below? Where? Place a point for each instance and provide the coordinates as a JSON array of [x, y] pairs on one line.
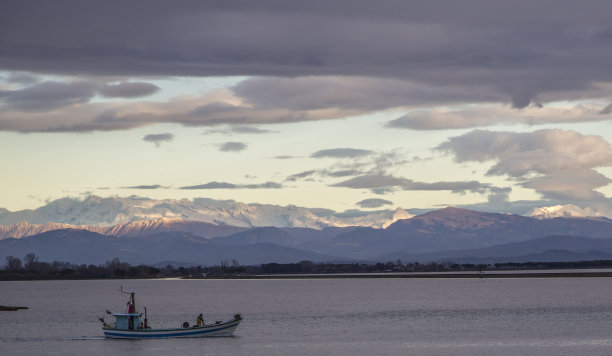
[[213, 330]]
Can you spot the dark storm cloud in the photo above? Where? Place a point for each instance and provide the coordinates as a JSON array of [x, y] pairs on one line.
[[373, 203], [341, 153], [519, 49], [225, 185], [157, 139], [232, 147]]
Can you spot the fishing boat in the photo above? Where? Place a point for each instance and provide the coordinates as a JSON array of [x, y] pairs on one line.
[[130, 326]]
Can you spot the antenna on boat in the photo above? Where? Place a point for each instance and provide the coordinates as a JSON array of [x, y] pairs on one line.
[[132, 297], [146, 322]]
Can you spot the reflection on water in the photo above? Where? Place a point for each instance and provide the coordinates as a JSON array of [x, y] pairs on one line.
[[560, 316]]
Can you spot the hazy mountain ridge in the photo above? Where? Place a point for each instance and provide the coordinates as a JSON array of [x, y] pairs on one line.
[[87, 247], [106, 212], [572, 247], [437, 233]]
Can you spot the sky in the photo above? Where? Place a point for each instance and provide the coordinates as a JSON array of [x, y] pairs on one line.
[[496, 106]]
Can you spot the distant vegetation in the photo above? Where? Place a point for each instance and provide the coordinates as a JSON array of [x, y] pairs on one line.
[[29, 268]]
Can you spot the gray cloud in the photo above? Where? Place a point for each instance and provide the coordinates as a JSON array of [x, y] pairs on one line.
[[468, 116], [297, 176], [356, 93], [266, 185], [543, 151], [238, 129], [306, 61], [556, 163], [372, 181], [248, 130], [323, 173], [128, 90], [214, 109], [146, 187], [383, 183], [48, 95], [157, 139], [232, 147], [284, 157], [22, 78], [211, 185], [509, 47], [342, 173], [341, 153], [373, 203], [225, 185]]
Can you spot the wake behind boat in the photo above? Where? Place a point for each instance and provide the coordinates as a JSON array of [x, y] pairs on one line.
[[130, 326]]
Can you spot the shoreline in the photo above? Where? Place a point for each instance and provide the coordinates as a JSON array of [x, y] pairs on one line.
[[471, 275], [500, 274]]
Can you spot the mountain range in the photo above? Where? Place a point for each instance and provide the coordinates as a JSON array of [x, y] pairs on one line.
[[449, 234], [105, 212]]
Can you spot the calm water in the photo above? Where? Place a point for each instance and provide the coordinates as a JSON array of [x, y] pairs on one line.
[[549, 316]]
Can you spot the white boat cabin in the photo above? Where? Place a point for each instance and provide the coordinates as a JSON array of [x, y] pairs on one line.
[[126, 321]]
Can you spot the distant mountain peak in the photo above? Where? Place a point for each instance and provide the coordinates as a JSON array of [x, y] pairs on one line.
[[450, 213], [458, 218], [561, 211]]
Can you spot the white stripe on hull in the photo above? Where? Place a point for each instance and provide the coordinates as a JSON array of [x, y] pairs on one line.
[[225, 329]]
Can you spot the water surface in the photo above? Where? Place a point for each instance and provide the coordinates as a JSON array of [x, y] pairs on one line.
[[523, 316]]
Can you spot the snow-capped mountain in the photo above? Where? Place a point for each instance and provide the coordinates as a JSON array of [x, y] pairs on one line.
[[441, 235], [561, 211], [132, 228], [23, 228], [106, 212]]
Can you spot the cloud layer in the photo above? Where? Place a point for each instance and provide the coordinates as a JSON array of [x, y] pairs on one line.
[[559, 164], [517, 49], [315, 61]]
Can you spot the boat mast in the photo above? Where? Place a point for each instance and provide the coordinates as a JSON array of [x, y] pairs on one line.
[[132, 297]]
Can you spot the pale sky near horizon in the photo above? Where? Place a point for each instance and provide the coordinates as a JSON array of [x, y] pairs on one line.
[[337, 105]]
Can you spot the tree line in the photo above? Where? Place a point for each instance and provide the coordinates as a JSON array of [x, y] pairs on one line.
[[30, 268]]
